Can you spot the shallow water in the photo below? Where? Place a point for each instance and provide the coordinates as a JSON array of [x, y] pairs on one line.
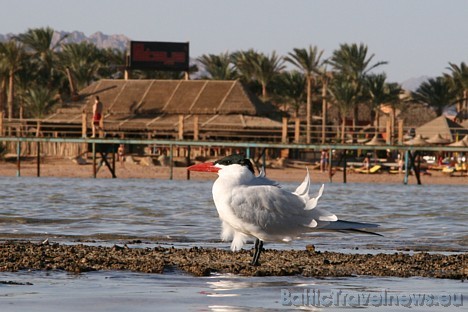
[[126, 291], [182, 213], [427, 217]]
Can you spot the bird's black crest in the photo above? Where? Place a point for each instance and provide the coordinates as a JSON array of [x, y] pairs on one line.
[[236, 159]]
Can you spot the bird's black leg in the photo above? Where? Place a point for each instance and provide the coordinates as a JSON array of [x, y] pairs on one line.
[[257, 250]]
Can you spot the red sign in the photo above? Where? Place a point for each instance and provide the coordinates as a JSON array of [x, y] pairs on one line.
[[171, 56]]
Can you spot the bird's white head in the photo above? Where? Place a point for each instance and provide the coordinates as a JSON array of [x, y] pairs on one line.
[[228, 166]]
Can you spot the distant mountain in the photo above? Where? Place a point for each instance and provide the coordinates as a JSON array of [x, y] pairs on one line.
[[102, 41], [413, 84]]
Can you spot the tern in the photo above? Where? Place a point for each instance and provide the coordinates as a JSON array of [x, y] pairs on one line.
[[255, 206]]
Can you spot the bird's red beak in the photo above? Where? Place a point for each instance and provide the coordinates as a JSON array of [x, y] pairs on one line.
[[204, 167]]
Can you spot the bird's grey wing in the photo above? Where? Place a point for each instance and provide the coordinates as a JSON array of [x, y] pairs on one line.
[[261, 179], [271, 208]]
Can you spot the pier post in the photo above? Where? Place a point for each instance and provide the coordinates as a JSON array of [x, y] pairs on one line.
[[400, 131], [196, 129], [188, 161], [1, 123], [297, 130], [345, 164], [38, 159], [284, 134], [264, 160], [405, 180], [389, 139], [181, 127], [84, 126], [101, 125], [94, 160], [18, 159], [171, 162]]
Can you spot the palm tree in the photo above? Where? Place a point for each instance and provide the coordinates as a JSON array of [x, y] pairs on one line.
[[83, 61], [3, 82], [12, 54], [309, 61], [267, 67], [460, 80], [394, 92], [381, 92], [325, 77], [254, 67], [352, 61], [40, 42], [375, 86], [436, 93], [243, 62], [38, 101], [112, 63], [344, 96], [289, 90], [218, 67]]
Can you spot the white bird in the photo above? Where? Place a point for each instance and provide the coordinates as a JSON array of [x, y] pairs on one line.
[[255, 206]]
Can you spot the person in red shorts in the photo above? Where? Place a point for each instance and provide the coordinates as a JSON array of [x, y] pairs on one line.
[[97, 116]]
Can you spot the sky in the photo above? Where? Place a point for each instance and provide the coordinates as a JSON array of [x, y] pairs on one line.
[[416, 37]]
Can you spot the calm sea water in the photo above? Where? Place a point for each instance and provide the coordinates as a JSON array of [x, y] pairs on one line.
[[182, 213]]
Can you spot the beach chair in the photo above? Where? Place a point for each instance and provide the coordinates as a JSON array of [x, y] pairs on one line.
[[374, 169]]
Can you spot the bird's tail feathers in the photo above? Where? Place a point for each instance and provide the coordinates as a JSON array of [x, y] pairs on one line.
[[350, 226], [359, 232], [303, 189], [312, 202]]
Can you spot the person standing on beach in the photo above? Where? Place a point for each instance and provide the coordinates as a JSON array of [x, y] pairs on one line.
[[97, 116], [323, 161], [121, 154]]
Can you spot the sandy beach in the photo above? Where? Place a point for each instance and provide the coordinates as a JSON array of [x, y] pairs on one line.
[[60, 167]]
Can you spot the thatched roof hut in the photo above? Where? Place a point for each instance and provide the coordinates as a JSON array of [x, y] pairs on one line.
[[442, 126], [213, 109]]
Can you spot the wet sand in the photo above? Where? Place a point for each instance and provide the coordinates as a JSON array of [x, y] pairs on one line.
[[66, 168], [16, 256]]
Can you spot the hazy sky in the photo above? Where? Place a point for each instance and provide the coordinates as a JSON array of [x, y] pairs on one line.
[[416, 37]]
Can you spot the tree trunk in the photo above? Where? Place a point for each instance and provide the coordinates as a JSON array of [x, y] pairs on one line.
[[2, 95], [11, 89], [324, 109], [343, 128], [392, 128], [264, 92], [377, 121], [354, 126], [38, 129], [465, 108], [309, 108]]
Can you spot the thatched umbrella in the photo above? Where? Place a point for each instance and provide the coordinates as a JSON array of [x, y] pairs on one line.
[[438, 139], [417, 141], [465, 138], [376, 140], [461, 143]]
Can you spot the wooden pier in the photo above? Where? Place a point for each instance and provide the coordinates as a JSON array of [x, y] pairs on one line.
[[107, 147]]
